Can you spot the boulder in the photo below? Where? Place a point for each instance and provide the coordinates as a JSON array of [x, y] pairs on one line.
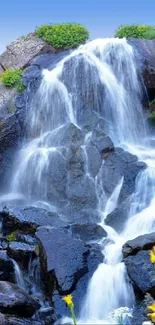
[[29, 219], [117, 218], [10, 138], [88, 232], [7, 272], [13, 320], [63, 257], [93, 164], [101, 141], [14, 300], [22, 252], [144, 242], [94, 259], [144, 50], [19, 53], [120, 164], [141, 271]]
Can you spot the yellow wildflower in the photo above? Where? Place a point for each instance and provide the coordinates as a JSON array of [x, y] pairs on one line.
[[152, 308], [69, 301], [152, 256]]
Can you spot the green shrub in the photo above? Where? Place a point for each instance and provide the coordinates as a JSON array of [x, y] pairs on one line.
[[63, 36], [152, 118], [152, 105], [12, 78], [136, 31]]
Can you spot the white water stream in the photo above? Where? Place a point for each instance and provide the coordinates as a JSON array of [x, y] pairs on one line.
[[108, 65]]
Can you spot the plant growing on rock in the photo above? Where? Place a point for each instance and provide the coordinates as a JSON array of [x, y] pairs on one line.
[[136, 31], [151, 118], [63, 36], [12, 78], [69, 301]]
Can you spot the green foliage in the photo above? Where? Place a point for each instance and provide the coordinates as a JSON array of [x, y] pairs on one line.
[[63, 36], [12, 109], [13, 78], [152, 118], [136, 31], [12, 236], [152, 104]]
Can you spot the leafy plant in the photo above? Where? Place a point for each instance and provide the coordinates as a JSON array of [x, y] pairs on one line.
[[12, 109], [12, 78], [63, 36], [152, 118], [136, 31], [12, 236]]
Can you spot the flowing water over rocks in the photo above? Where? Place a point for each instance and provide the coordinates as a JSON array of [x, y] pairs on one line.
[[87, 159]]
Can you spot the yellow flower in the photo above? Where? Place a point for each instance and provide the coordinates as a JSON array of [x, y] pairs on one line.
[[152, 308], [69, 301], [152, 316], [152, 256]]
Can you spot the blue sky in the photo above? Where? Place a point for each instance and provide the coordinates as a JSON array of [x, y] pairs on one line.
[[101, 17]]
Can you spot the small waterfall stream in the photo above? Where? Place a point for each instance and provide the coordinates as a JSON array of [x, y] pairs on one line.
[[110, 83]]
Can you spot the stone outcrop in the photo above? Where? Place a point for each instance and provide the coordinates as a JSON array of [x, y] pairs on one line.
[[19, 53], [145, 50]]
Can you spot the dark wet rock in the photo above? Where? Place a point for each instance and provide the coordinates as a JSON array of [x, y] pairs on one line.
[[6, 267], [12, 320], [29, 219], [143, 242], [144, 50], [102, 142], [81, 191], [28, 239], [22, 252], [14, 300], [93, 164], [49, 61], [130, 174], [140, 310], [118, 165], [30, 74], [10, 137], [88, 232], [83, 95], [94, 259], [117, 218], [88, 120], [47, 316], [63, 256], [80, 188], [68, 135], [80, 216], [141, 271]]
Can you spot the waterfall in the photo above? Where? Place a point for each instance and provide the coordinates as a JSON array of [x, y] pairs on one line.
[[19, 278], [109, 86]]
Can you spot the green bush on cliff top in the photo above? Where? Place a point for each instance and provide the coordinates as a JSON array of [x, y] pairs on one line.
[[63, 36], [12, 78], [136, 31]]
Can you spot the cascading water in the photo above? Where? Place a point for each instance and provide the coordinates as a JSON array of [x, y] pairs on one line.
[[110, 87]]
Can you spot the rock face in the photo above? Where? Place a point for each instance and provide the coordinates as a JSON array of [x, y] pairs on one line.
[[19, 53], [136, 254], [144, 242], [15, 301], [145, 53], [29, 219], [67, 265]]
